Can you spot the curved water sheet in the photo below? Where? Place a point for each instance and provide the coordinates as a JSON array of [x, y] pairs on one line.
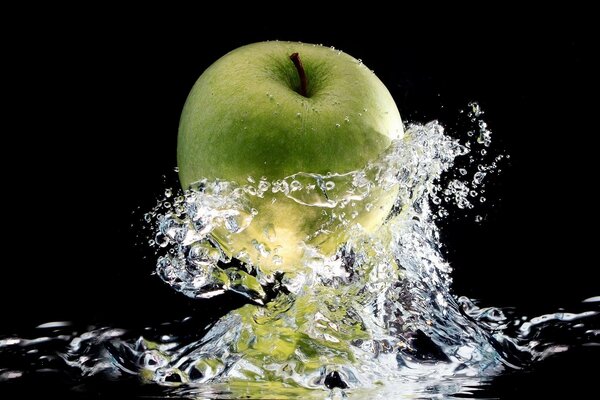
[[376, 320]]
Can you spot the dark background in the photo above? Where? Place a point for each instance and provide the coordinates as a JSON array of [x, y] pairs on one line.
[[91, 125]]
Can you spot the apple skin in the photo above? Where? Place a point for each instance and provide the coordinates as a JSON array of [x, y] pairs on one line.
[[245, 117]]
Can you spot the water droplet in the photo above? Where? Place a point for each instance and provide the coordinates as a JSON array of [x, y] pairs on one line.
[[7, 375], [482, 199], [337, 125], [249, 189], [295, 185], [478, 177], [263, 186], [475, 109], [168, 192], [161, 240], [462, 171], [329, 185], [478, 218]]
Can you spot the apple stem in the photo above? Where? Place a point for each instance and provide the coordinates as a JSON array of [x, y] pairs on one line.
[[295, 57]]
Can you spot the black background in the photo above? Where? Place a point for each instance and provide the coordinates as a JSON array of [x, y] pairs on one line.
[[90, 129]]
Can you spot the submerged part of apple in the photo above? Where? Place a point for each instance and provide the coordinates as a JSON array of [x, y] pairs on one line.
[[302, 115]]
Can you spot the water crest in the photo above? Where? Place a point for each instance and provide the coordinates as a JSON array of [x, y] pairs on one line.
[[376, 319]]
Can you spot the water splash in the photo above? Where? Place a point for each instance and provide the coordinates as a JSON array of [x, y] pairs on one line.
[[374, 320]]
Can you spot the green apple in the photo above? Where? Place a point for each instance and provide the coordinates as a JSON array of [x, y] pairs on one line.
[[274, 109]]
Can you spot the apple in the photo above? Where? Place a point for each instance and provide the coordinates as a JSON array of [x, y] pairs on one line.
[[278, 112]]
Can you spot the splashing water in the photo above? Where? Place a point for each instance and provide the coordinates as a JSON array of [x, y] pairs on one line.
[[374, 320]]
